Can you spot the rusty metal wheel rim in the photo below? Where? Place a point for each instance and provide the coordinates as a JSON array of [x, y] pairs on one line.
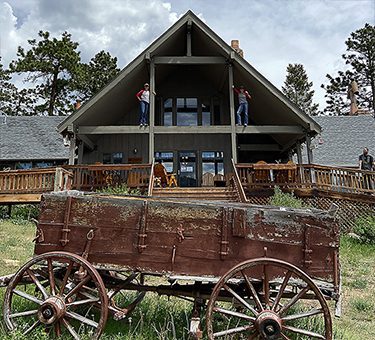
[[58, 298], [265, 311]]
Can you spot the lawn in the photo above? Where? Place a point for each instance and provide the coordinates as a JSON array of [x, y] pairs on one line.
[[163, 318]]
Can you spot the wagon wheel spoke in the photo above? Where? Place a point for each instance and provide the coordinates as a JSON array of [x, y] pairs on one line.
[[82, 319], [233, 331], [266, 287], [83, 302], [71, 330], [27, 296], [252, 291], [32, 327], [253, 336], [78, 287], [281, 291], [66, 277], [26, 313], [294, 300], [303, 315], [233, 313], [57, 327], [240, 299], [37, 283], [284, 336], [304, 332], [51, 277]]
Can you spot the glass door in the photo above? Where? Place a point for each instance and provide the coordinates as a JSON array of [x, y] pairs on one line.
[[187, 168]]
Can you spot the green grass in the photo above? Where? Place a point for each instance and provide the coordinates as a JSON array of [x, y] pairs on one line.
[[162, 318]]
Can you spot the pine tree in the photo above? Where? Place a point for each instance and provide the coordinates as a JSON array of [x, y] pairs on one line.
[[298, 89], [92, 77], [360, 59], [49, 65]]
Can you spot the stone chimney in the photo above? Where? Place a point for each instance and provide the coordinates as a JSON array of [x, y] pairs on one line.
[[235, 44]]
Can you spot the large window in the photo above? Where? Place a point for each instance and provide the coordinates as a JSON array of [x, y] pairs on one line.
[[112, 158], [166, 158], [213, 162], [189, 111]]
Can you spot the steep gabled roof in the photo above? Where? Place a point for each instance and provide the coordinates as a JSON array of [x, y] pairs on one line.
[[31, 138], [264, 93], [343, 139]]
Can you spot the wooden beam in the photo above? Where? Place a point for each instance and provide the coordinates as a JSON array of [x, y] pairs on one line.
[[187, 60], [253, 129], [299, 152], [188, 38], [89, 143], [233, 136], [72, 149], [259, 147], [310, 159], [152, 112], [270, 129], [19, 198]]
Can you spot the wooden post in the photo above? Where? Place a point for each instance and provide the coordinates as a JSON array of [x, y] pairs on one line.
[[57, 183], [72, 149], [299, 153], [80, 152], [310, 159], [231, 112], [152, 112]]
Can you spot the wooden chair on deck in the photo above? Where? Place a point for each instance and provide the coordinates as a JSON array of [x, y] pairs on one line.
[[166, 179], [207, 179]]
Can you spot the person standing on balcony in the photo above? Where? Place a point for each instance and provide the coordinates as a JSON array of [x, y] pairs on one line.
[[243, 105], [366, 162], [144, 102]]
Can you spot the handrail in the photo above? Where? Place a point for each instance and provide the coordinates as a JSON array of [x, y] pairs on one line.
[[238, 184], [151, 181], [307, 176]]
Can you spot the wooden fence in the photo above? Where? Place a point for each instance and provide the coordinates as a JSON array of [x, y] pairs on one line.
[[306, 176], [95, 177], [34, 181]]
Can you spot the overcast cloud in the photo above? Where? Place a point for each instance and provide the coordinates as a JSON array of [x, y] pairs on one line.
[[272, 33]]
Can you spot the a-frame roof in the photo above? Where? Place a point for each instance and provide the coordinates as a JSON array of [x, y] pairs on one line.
[[267, 98]]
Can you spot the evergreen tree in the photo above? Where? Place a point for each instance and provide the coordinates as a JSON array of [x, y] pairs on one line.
[[92, 77], [298, 89], [360, 58], [49, 65]]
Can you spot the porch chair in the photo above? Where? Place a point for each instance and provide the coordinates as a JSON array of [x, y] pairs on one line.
[[207, 179], [166, 179]]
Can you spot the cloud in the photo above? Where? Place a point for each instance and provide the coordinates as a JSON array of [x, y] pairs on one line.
[[272, 33]]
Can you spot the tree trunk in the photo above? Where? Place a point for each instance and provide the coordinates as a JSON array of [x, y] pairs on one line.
[[53, 92]]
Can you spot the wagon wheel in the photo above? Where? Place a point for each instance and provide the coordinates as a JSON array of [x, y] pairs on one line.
[[59, 292], [123, 301], [284, 304]]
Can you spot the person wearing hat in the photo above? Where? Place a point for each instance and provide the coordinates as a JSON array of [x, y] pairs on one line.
[[144, 102], [243, 96]]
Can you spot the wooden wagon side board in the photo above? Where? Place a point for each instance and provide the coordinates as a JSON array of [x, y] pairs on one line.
[[192, 238]]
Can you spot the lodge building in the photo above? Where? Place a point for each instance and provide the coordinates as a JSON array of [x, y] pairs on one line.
[[191, 71]]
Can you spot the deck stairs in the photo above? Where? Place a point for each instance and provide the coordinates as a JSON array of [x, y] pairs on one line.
[[198, 193]]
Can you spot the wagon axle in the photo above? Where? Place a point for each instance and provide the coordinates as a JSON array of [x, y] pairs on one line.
[[51, 310]]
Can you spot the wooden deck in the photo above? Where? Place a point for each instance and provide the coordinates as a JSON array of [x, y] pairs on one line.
[[25, 186]]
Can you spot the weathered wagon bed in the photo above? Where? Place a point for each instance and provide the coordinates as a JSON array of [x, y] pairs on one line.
[[263, 259]]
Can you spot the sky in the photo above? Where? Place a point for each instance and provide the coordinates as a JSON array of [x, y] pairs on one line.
[[272, 33]]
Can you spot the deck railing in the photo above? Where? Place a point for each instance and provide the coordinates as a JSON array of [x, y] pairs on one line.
[[99, 176], [306, 176], [34, 181]]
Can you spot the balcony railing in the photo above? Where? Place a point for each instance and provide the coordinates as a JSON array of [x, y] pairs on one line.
[[306, 176], [99, 176], [34, 181]]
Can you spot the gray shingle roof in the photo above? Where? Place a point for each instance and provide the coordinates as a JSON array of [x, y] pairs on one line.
[[343, 138], [31, 138]]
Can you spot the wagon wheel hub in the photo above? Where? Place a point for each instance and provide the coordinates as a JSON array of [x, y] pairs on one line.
[[51, 310], [268, 325]]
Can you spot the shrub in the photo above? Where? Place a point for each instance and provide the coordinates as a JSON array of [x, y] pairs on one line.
[[282, 199], [21, 212], [121, 189], [365, 229]]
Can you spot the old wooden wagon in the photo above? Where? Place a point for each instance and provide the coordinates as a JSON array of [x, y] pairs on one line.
[[257, 272]]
